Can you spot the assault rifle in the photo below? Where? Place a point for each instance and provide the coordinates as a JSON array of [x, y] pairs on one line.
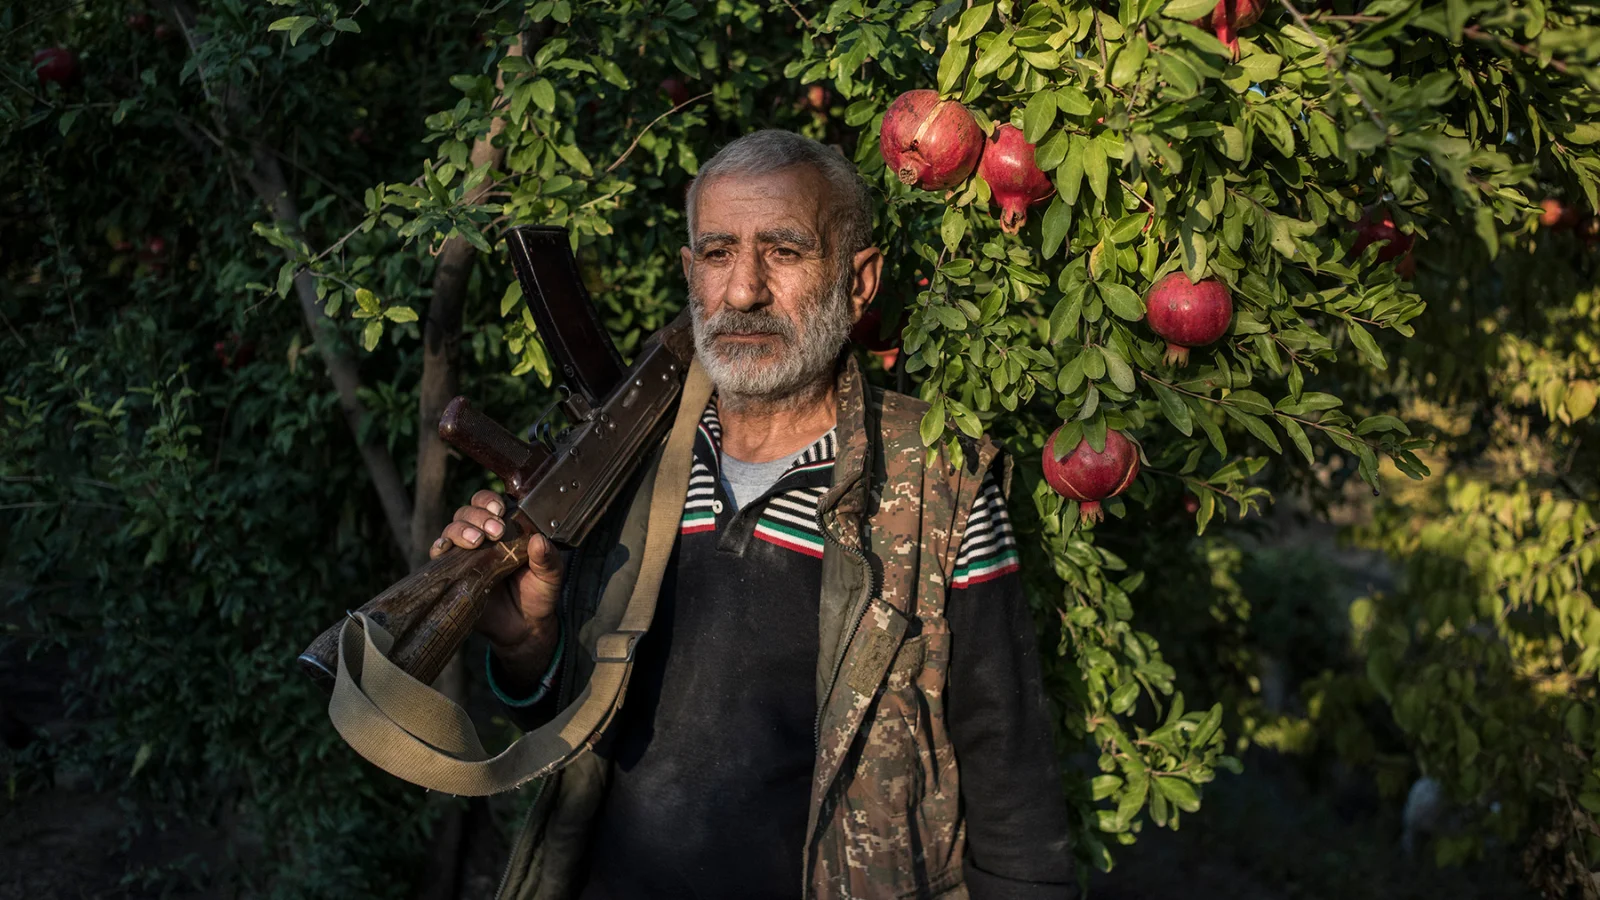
[[558, 485]]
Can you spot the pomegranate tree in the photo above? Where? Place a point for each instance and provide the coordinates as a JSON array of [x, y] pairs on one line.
[[1089, 477], [1188, 314], [931, 143], [1014, 180]]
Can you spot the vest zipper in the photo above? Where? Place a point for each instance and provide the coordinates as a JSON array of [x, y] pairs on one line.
[[527, 819], [855, 622]]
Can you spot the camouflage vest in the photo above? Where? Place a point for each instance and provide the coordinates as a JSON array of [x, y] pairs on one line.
[[885, 818]]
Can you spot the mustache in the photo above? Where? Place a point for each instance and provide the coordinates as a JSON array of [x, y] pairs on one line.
[[730, 321]]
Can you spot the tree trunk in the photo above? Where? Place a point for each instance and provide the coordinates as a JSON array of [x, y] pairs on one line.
[[266, 178], [441, 336]]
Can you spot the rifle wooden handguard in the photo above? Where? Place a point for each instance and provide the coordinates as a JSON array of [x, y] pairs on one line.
[[431, 611]]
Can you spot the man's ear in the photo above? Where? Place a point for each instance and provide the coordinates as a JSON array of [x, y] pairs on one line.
[[868, 267], [688, 259]]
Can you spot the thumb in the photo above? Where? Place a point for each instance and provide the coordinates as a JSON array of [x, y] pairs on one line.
[[544, 560]]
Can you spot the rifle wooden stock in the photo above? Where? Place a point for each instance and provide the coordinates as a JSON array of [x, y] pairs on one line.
[[431, 611]]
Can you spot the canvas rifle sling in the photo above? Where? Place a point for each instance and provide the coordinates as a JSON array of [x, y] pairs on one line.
[[413, 732]]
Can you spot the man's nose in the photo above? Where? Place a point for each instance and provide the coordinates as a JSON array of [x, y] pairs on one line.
[[747, 286]]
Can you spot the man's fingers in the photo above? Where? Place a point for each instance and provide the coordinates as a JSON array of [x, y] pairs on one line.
[[438, 547], [463, 534], [480, 519], [490, 501]]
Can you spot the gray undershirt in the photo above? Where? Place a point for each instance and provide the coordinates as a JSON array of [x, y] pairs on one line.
[[746, 481]]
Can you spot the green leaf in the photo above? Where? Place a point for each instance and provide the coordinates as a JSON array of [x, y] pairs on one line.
[[1095, 168], [1173, 407], [574, 157], [1057, 220], [1381, 423], [400, 314], [511, 297], [952, 65], [1064, 318], [1117, 368], [1123, 698], [1250, 402], [1130, 59], [1050, 154], [1256, 427], [1298, 436], [1121, 300], [1213, 433], [1073, 101], [1067, 439], [932, 423], [954, 226], [994, 56], [544, 95], [973, 20], [1364, 136], [1188, 10], [1179, 793], [371, 334], [1366, 346], [1037, 117]]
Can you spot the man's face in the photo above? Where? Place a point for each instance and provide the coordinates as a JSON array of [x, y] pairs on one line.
[[771, 303]]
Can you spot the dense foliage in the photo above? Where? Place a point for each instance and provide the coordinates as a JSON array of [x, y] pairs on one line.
[[1268, 167]]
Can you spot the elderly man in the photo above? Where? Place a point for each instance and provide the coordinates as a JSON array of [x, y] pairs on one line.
[[840, 694]]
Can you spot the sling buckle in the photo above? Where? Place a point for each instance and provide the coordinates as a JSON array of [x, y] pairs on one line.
[[617, 646]]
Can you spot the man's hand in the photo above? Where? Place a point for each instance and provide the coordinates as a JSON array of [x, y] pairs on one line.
[[519, 618]]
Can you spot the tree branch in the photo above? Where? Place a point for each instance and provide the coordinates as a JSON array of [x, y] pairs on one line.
[[441, 335], [266, 178]]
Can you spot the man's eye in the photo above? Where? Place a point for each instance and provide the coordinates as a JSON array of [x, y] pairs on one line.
[[787, 252], [717, 253]]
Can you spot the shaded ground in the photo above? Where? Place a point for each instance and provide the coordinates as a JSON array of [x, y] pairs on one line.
[[1266, 835]]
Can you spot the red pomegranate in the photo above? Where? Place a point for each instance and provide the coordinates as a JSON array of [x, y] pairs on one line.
[[1089, 477], [56, 64], [1230, 17], [1013, 179], [1556, 214], [676, 91], [818, 98], [1378, 227], [1186, 314], [931, 143], [1191, 504], [137, 22], [163, 33]]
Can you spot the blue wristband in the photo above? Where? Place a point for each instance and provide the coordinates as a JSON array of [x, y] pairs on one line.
[[544, 683]]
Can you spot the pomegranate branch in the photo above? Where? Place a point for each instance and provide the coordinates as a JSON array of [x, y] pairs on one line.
[[1222, 401], [1333, 63], [611, 168]]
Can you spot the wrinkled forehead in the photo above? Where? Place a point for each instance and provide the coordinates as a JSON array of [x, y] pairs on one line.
[[791, 201]]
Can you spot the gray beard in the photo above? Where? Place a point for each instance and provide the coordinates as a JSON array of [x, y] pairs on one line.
[[774, 377]]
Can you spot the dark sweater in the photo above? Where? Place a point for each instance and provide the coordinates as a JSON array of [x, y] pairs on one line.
[[713, 749]]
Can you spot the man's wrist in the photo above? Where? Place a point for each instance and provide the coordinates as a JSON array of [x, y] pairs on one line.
[[521, 673]]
